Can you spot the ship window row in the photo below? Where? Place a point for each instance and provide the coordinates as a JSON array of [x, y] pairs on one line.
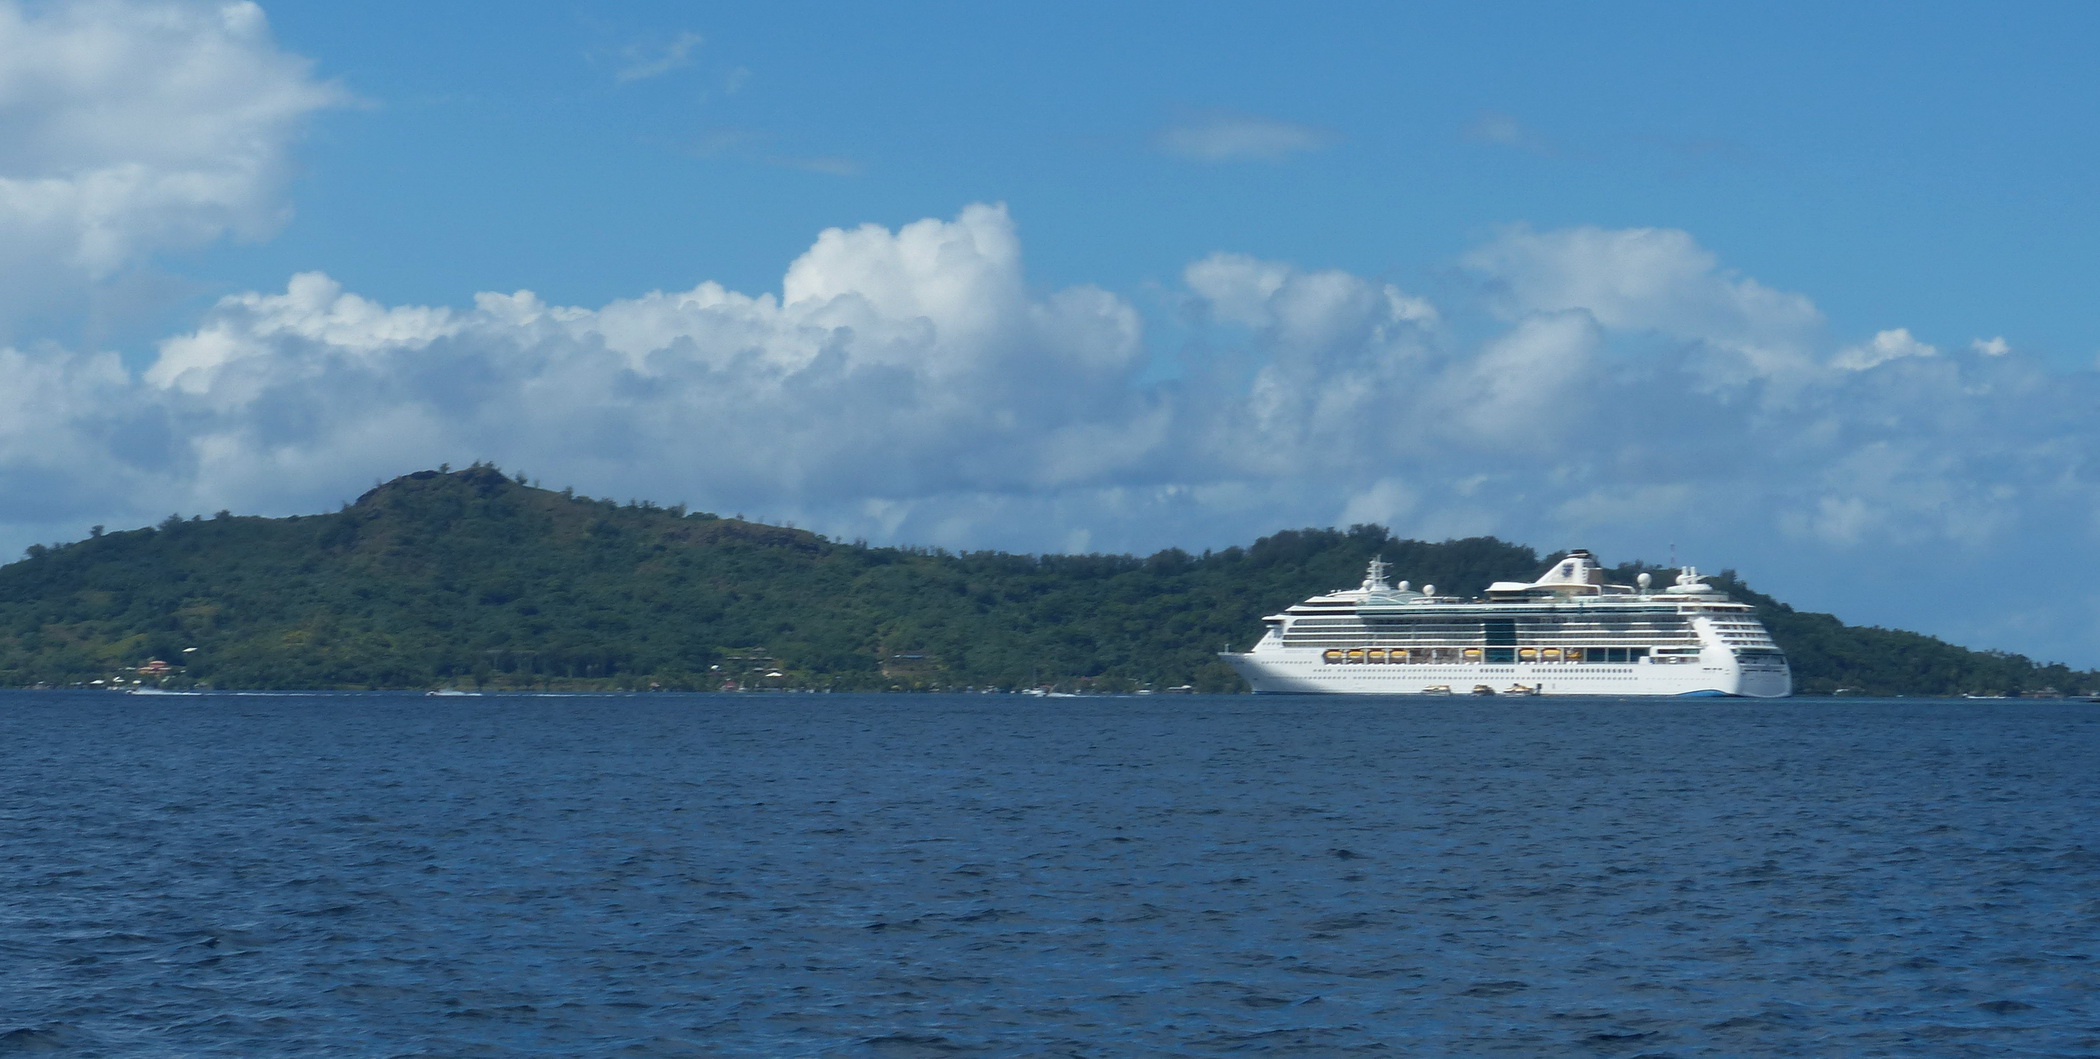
[[1346, 644], [1470, 628], [1365, 637], [1329, 645], [1434, 613], [1587, 617], [1484, 655], [1474, 632], [1525, 623]]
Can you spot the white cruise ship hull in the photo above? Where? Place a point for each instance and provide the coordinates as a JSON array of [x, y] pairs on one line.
[[1566, 633], [1303, 671]]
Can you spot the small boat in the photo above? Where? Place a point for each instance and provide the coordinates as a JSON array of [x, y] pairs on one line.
[[1525, 689], [142, 690], [446, 693], [1483, 689], [1437, 689]]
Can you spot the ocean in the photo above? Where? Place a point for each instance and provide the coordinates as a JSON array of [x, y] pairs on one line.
[[953, 876]]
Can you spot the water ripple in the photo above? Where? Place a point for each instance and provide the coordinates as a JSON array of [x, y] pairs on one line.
[[901, 876]]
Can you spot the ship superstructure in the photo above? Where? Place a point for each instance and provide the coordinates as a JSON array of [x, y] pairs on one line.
[[1567, 633]]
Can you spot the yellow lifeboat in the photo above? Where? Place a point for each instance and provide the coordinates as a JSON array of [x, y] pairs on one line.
[[1375, 655], [1331, 655], [1470, 654], [1527, 654], [1550, 654], [1356, 654], [1574, 654], [1397, 654]]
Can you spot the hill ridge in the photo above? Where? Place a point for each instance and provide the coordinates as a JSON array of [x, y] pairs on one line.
[[475, 578]]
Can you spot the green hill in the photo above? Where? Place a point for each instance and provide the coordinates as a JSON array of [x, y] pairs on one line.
[[470, 578]]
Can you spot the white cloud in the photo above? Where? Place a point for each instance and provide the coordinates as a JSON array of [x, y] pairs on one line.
[[1223, 136], [1991, 347], [1900, 490], [1652, 279], [894, 365], [249, 329], [643, 59], [1525, 387], [1242, 290], [1334, 367], [1894, 344], [130, 128], [1386, 502]]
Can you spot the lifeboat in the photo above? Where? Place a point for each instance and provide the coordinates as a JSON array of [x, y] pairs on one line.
[[1356, 654], [1375, 655], [1527, 654], [1525, 689], [1397, 654], [1471, 654], [1483, 689], [1574, 654], [1331, 655], [1437, 689], [1550, 654]]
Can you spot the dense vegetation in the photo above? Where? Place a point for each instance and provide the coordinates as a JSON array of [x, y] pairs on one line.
[[472, 579]]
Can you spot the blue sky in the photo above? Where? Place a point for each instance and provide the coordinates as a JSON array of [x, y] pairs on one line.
[[1803, 290], [1908, 164]]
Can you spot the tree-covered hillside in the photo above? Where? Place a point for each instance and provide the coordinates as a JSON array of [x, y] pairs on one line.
[[470, 578]]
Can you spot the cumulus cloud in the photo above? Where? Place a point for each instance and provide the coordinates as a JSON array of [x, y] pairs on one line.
[[1652, 279], [1328, 363], [1224, 136], [894, 364], [1525, 387], [1991, 347], [1885, 346], [130, 128]]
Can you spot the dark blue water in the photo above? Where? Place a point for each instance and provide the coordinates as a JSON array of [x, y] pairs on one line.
[[940, 876]]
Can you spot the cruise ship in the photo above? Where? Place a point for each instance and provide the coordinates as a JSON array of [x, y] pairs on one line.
[[1567, 633]]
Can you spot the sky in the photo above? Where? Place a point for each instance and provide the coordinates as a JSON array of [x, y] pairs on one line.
[[1804, 291]]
